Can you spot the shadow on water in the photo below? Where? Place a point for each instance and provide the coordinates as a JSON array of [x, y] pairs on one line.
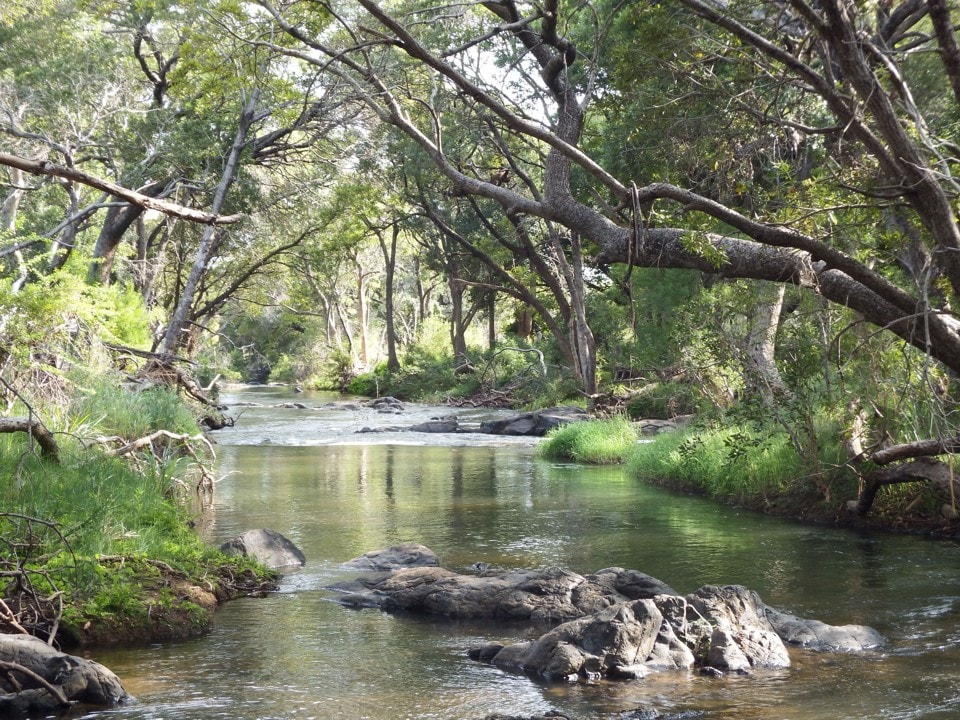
[[297, 654]]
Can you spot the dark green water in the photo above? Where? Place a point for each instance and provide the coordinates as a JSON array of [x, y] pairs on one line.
[[337, 494]]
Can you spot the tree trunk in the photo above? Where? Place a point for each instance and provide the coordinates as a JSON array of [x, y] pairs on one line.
[[8, 223], [210, 242], [492, 320], [390, 263], [458, 327], [62, 248], [118, 220], [363, 312], [760, 368]]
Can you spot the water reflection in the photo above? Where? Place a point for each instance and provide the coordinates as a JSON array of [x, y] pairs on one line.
[[298, 655]]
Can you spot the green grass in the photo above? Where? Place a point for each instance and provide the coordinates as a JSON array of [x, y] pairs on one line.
[[102, 403], [597, 442], [739, 463]]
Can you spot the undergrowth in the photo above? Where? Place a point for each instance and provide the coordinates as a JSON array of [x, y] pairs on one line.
[[82, 539]]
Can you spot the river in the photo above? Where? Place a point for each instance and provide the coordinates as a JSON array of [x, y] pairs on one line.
[[337, 493]]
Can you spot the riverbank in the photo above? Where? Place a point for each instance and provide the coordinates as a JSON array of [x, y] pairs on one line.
[[97, 527]]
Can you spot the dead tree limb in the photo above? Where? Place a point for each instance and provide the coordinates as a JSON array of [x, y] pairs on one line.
[[48, 686], [37, 430], [148, 440]]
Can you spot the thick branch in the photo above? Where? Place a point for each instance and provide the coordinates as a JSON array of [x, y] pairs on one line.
[[920, 448], [43, 167], [44, 438]]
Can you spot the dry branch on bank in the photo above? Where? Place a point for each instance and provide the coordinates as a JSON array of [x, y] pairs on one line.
[[37, 430], [157, 442]]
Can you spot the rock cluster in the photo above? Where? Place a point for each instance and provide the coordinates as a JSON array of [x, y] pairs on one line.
[[614, 623]]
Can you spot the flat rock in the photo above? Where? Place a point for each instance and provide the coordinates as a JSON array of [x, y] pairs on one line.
[[395, 557], [537, 423], [816, 635]]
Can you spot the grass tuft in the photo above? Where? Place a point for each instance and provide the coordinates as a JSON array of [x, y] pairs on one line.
[[597, 442]]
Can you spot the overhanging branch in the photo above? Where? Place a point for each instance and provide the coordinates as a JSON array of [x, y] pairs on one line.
[[44, 167]]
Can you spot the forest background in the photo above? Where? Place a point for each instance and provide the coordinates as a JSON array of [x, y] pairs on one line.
[[741, 211]]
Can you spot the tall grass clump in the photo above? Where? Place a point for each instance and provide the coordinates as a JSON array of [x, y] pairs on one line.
[[101, 403], [597, 442], [740, 463]]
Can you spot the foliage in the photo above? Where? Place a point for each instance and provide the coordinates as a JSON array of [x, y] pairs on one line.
[[128, 411], [597, 442], [663, 400]]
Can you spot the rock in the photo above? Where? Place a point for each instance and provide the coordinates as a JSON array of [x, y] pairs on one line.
[[536, 423], [743, 637], [448, 425], [385, 404], [815, 635], [549, 715], [78, 679], [268, 547], [605, 643], [395, 557], [550, 595], [616, 623]]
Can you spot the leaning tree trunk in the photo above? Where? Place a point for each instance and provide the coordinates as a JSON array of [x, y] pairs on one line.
[[210, 242]]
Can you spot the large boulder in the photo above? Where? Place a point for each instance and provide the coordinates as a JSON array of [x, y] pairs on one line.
[[39, 680], [268, 547]]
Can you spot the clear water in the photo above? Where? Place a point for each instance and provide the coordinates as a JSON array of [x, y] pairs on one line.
[[296, 654]]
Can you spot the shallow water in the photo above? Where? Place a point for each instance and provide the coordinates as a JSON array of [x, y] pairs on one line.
[[337, 493]]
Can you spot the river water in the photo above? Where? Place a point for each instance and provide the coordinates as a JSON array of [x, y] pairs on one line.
[[337, 493]]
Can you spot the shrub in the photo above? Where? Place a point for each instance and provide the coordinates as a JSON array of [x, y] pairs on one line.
[[662, 401]]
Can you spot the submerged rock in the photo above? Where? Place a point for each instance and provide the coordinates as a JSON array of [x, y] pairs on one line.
[[73, 679], [405, 555], [615, 623], [268, 547]]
